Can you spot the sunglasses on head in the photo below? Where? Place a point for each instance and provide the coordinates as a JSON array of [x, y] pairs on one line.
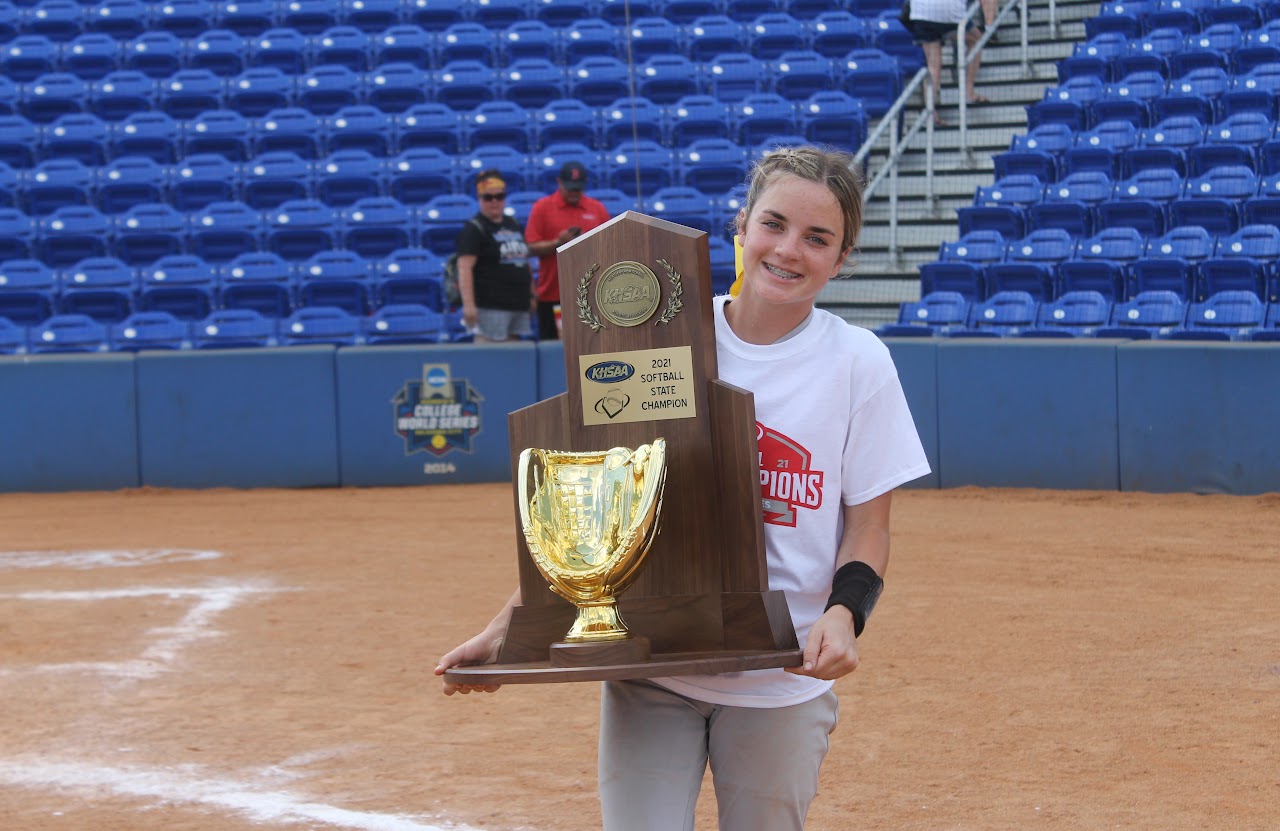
[[494, 197]]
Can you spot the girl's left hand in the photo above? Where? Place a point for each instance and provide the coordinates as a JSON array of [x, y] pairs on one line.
[[831, 651]]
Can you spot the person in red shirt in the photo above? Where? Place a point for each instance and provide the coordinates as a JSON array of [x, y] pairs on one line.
[[556, 219]]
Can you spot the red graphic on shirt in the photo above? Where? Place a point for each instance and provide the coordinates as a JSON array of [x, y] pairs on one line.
[[786, 482]]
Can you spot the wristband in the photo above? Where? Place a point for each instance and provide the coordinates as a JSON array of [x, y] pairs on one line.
[[857, 587]]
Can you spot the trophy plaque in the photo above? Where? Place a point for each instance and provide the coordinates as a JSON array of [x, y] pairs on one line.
[[641, 545]]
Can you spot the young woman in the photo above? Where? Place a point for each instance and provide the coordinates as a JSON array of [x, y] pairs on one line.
[[831, 390]]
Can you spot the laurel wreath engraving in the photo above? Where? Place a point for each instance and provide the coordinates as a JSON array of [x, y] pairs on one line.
[[584, 309], [674, 303]]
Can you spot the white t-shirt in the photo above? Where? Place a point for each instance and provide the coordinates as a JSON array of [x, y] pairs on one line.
[[833, 429], [938, 11]]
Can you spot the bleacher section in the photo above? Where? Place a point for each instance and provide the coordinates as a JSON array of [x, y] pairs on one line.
[[1144, 199], [135, 132]]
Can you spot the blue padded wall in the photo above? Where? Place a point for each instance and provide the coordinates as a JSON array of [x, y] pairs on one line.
[[917, 364], [551, 372], [459, 395], [1031, 414], [68, 422], [247, 418], [1199, 417]]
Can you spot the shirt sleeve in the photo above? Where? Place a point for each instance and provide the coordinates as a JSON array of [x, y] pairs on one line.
[[882, 449], [470, 240]]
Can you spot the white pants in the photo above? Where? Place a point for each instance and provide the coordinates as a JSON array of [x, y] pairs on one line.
[[655, 745]]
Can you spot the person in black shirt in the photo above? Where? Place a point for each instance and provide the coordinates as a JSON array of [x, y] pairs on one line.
[[494, 278]]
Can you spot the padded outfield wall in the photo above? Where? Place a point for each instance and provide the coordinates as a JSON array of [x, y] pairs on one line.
[[1075, 414]]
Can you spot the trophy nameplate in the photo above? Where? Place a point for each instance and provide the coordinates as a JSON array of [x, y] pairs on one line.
[[640, 365]]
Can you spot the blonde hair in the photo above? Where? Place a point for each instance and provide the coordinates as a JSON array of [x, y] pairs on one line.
[[833, 168]]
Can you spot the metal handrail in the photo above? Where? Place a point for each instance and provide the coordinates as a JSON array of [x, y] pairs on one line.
[[963, 57]]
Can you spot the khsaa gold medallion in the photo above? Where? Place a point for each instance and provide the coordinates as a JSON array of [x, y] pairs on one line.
[[628, 293]]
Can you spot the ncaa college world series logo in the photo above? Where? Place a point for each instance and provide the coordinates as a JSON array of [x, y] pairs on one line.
[[786, 482], [437, 414]]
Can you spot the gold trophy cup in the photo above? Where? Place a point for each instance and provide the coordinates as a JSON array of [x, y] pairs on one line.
[[589, 520]]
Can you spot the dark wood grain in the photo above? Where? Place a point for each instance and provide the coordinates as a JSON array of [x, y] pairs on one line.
[[658, 666]]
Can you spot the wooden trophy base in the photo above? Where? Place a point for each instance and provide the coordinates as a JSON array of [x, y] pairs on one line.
[[631, 650]]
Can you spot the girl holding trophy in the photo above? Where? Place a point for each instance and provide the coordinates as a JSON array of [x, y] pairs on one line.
[[828, 400]]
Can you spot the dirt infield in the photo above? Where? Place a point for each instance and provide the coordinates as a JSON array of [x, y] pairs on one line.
[[227, 660]]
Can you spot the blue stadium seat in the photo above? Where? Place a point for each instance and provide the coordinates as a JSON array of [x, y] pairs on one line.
[[301, 228], [51, 95], [1261, 45], [127, 181], [1004, 313], [1002, 206], [835, 33], [1213, 200], [359, 127], [28, 289], [696, 117], [1151, 314], [567, 119], [1165, 145], [326, 89], [375, 227], [1174, 14], [466, 41], [1265, 207], [1068, 103], [201, 179], [529, 39], [308, 16], [1037, 153], [233, 329], [1210, 48], [590, 37], [1171, 262], [597, 81], [1100, 262], [189, 92], [246, 17], [1076, 313], [181, 285], [1242, 261], [1142, 201], [560, 13], [147, 232], [440, 220], [639, 167], [545, 164], [119, 94], [71, 234], [273, 178], [222, 231], [338, 279], [259, 90], [872, 76], [17, 235], [771, 34], [11, 20], [418, 174], [1094, 57], [223, 132], [1234, 140], [90, 56], [514, 165], [634, 117], [800, 74], [368, 15], [1244, 14], [937, 312], [665, 79], [1128, 99], [520, 203], [13, 337], [429, 125], [499, 14], [650, 36], [80, 136], [347, 46], [157, 54], [409, 276], [221, 51], [150, 330], [682, 205], [1030, 263], [1257, 90], [1227, 315], [396, 87], [69, 333], [1069, 203], [711, 35], [8, 186], [155, 135], [59, 20], [499, 122], [688, 11], [53, 184], [712, 165], [283, 130], [102, 288], [889, 35], [257, 281], [437, 15], [404, 323], [185, 18], [1102, 148], [733, 76], [464, 85], [19, 139], [405, 43], [320, 325], [723, 268], [759, 117], [531, 83], [27, 57], [1195, 93], [833, 118]]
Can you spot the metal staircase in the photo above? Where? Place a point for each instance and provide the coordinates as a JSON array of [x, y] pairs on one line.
[[886, 276]]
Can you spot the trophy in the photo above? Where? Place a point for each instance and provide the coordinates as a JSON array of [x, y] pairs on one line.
[[641, 378], [589, 520]]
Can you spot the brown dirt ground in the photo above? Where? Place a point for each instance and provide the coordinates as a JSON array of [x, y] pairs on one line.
[[1056, 660]]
